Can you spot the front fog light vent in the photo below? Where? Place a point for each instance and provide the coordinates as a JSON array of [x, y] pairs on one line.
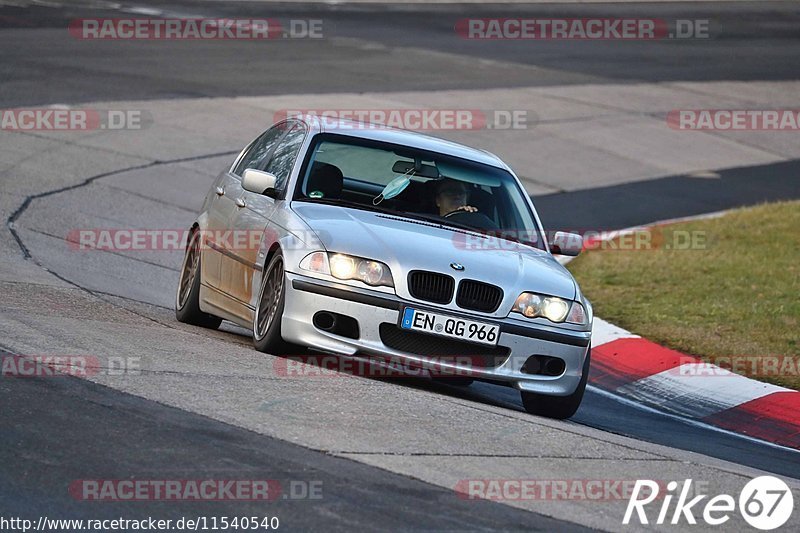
[[544, 365]]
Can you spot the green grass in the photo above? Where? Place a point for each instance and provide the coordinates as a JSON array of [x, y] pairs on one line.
[[737, 293]]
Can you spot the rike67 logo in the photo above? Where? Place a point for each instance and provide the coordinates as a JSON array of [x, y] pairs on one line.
[[765, 503]]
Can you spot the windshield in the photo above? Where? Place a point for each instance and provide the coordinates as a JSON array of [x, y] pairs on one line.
[[450, 191]]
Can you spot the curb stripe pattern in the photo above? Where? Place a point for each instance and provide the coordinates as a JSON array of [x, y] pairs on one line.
[[773, 417], [643, 371]]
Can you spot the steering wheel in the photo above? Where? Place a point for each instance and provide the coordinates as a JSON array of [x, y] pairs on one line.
[[476, 219], [456, 212]]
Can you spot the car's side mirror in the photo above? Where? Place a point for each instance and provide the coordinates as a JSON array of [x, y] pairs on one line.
[[259, 182], [565, 243]]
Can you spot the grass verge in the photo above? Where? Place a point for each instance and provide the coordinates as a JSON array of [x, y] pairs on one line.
[[725, 289]]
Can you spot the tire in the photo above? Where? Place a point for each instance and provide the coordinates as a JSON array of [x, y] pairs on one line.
[[187, 299], [558, 407], [271, 299]]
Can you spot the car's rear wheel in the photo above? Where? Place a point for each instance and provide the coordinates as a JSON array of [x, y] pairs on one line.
[[269, 309], [559, 407], [187, 301]]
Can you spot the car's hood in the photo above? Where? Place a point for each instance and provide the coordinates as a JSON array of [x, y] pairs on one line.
[[406, 244]]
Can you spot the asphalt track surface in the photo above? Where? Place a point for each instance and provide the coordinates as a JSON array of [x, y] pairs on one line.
[[60, 426], [748, 41], [195, 447]]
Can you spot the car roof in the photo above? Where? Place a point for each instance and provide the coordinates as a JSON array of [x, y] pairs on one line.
[[412, 139]]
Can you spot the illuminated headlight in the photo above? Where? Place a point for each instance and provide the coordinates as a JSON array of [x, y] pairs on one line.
[[343, 266], [552, 308]]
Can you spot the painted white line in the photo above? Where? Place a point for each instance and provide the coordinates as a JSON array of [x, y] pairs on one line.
[[144, 11], [689, 390], [685, 420], [704, 174]]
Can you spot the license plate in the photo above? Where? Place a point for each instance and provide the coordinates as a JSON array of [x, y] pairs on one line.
[[448, 326]]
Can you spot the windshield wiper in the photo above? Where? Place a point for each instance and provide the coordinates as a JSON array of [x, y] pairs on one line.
[[440, 221], [486, 234]]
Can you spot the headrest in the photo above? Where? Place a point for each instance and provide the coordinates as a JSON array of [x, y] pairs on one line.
[[326, 179]]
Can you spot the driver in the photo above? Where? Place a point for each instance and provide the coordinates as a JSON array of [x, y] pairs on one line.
[[451, 196]]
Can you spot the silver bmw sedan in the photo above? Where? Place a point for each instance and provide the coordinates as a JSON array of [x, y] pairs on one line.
[[370, 242]]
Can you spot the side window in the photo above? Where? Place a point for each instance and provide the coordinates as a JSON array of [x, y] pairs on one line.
[[285, 155], [258, 154]]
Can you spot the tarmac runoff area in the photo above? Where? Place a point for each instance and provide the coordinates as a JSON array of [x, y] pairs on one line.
[[117, 305]]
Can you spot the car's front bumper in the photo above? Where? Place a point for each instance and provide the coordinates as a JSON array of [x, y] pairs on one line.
[[306, 296]]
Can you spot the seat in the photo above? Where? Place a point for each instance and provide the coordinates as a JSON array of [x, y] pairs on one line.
[[412, 199], [427, 202], [483, 200], [326, 179]]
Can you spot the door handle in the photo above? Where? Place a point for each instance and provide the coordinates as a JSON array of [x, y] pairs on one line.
[[220, 191], [239, 202]]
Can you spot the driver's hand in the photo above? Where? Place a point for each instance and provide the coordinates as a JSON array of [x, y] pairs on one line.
[[467, 208]]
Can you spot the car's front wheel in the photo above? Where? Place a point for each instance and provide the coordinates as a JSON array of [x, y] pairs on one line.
[[187, 301], [269, 309], [559, 407]]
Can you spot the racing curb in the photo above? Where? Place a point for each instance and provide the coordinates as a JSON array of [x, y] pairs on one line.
[[645, 372], [635, 368]]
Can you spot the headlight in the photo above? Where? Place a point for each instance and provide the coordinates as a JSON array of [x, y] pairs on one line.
[[316, 262], [552, 308], [343, 266], [577, 314]]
